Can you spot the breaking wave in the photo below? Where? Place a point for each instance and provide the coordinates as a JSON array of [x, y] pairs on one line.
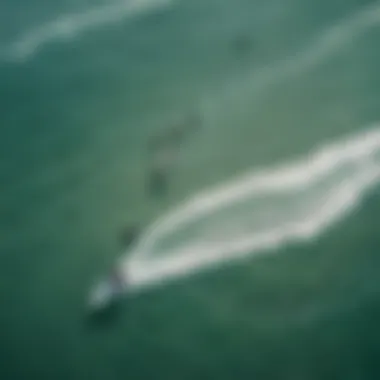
[[69, 26], [261, 211]]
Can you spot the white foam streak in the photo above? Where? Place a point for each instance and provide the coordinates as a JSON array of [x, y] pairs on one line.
[[361, 153], [325, 45], [71, 25], [281, 179]]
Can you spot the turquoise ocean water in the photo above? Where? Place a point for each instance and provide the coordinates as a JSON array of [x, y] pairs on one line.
[[84, 84]]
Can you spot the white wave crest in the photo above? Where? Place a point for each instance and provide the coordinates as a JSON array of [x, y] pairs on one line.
[[315, 193]]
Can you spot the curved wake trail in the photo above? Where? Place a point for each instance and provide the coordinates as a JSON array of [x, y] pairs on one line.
[[69, 26], [268, 208], [261, 211]]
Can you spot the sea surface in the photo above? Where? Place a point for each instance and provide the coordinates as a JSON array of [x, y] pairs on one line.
[[262, 261]]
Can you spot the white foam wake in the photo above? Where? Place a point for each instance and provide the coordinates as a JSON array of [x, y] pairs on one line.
[[317, 191], [71, 25], [331, 182]]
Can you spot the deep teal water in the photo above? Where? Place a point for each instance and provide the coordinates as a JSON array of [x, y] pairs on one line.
[[74, 119]]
